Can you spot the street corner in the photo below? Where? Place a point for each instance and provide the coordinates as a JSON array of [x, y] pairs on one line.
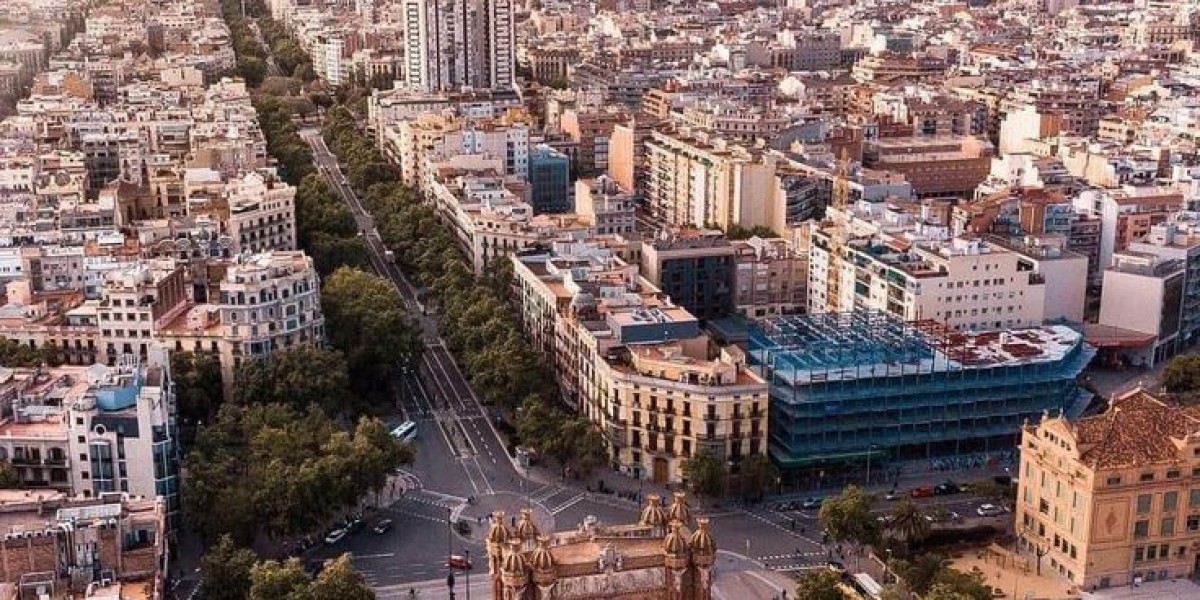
[[475, 518]]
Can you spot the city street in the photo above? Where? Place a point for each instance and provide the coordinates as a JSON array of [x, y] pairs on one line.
[[462, 471]]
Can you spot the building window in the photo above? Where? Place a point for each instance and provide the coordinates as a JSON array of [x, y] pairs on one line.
[[1167, 526], [1193, 523], [1170, 501], [1146, 477], [1141, 529], [1194, 497], [1139, 554], [1114, 481], [1143, 503]]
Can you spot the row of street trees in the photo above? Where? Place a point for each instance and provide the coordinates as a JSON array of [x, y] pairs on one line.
[[847, 519], [286, 454], [477, 321], [241, 576]]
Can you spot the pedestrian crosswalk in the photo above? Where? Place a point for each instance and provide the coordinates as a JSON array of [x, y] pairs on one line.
[[572, 501], [813, 554], [434, 498]]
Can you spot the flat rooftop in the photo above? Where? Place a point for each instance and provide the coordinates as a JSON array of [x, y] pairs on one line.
[[804, 349]]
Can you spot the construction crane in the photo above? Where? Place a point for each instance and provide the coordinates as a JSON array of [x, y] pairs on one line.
[[837, 232]]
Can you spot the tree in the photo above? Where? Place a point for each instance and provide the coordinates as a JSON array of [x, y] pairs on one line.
[[252, 69], [1182, 374], [821, 584], [957, 585], [737, 232], [225, 570], [907, 522], [758, 476], [198, 390], [8, 476], [942, 591], [299, 376], [365, 318], [339, 580], [921, 572], [705, 473], [273, 580], [847, 517]]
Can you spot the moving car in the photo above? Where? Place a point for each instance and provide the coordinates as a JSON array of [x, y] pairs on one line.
[[989, 510], [335, 536], [458, 562], [892, 495], [382, 527], [922, 492], [946, 489], [812, 503]]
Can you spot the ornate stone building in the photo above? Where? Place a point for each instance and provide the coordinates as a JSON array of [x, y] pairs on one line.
[[661, 557]]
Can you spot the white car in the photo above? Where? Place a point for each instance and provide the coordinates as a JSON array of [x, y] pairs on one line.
[[335, 536], [989, 510]]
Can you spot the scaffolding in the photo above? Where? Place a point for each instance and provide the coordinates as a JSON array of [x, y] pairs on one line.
[[847, 385]]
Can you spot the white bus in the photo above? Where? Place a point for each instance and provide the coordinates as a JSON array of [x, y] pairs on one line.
[[405, 432], [867, 586]]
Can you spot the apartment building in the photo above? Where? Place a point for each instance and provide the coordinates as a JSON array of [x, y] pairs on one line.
[[451, 45], [592, 131], [968, 284], [115, 546], [488, 213], [1113, 499], [261, 214], [605, 207], [696, 269], [414, 143], [1153, 289], [770, 278], [935, 165], [636, 364], [90, 431]]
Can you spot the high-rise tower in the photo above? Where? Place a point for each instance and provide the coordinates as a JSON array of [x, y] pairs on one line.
[[451, 44]]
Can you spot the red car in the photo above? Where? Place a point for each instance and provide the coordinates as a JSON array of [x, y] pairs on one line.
[[922, 492], [458, 562]]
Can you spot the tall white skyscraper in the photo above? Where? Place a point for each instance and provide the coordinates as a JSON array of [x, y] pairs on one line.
[[451, 44]]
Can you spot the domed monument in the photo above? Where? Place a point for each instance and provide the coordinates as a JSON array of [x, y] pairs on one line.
[[664, 556]]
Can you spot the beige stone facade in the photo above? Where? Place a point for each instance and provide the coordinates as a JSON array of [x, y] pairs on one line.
[[1113, 499]]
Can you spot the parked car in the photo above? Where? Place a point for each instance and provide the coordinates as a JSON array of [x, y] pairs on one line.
[[382, 527], [786, 506], [812, 503], [922, 492], [946, 489], [943, 517], [354, 524], [335, 536], [989, 510], [458, 562], [892, 495]]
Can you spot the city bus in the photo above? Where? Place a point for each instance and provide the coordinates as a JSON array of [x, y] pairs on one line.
[[405, 432]]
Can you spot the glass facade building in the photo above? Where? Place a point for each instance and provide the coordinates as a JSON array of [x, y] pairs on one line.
[[549, 181], [845, 387]]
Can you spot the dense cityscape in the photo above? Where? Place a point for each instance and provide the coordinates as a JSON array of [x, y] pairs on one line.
[[731, 300]]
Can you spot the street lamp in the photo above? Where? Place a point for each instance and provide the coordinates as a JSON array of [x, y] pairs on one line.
[[467, 573], [870, 451], [449, 551]]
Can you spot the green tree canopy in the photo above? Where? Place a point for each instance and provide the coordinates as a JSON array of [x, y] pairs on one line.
[[847, 517], [365, 318], [757, 476], [907, 522], [225, 570], [276, 471], [339, 580], [705, 473], [1182, 374], [299, 376], [819, 584]]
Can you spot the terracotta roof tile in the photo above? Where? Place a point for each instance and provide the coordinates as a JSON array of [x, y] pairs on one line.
[[1138, 429]]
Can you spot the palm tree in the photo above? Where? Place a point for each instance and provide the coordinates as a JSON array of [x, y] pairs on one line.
[[907, 522]]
